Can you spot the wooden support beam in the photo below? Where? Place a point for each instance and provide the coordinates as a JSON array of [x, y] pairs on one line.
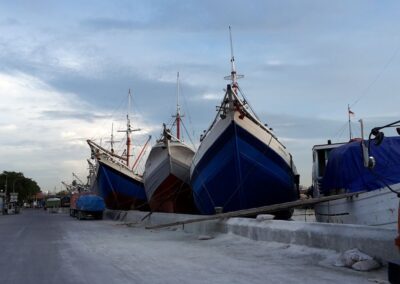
[[258, 210]]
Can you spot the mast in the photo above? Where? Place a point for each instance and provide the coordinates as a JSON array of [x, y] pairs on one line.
[[112, 138], [234, 76], [178, 118], [178, 115], [128, 130], [233, 67], [349, 114]]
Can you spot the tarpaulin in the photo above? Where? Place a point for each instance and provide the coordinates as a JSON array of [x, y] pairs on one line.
[[345, 168], [90, 203]]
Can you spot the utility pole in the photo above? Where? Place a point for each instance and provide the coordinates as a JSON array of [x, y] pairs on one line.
[[5, 187]]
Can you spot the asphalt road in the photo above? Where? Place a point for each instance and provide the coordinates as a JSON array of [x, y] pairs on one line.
[[36, 247], [30, 245], [39, 247]]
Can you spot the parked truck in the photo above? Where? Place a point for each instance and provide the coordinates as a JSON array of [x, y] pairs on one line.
[[52, 204], [86, 205]]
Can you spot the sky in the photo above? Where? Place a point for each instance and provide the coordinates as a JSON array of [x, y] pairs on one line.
[[66, 68]]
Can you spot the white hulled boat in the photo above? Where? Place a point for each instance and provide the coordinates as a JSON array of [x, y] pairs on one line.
[[166, 175], [341, 167]]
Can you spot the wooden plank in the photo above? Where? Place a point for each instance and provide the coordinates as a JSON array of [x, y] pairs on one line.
[[258, 210]]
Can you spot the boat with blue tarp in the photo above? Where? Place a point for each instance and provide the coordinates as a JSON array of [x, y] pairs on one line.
[[344, 167]]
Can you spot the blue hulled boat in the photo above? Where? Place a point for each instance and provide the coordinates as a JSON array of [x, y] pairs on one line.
[[115, 181], [240, 163], [119, 186]]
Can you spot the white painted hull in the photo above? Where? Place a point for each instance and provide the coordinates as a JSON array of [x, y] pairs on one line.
[[374, 208], [120, 168], [165, 160], [254, 129]]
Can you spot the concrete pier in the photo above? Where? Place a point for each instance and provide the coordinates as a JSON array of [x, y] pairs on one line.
[[377, 242]]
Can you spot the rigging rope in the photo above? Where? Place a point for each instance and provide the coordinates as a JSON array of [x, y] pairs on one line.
[[377, 77]]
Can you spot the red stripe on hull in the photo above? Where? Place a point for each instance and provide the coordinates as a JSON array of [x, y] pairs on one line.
[[173, 196], [117, 201]]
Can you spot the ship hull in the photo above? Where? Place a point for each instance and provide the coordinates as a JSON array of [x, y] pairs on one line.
[[236, 170], [166, 178], [344, 171], [119, 190], [377, 208]]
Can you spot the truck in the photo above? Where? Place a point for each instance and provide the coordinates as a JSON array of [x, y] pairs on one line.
[[52, 204], [86, 205], [66, 201]]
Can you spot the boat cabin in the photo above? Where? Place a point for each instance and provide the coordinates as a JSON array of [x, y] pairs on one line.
[[320, 160]]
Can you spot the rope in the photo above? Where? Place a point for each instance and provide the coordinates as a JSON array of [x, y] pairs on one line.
[[190, 138], [112, 188], [377, 77], [244, 179], [112, 115], [248, 173], [381, 179]]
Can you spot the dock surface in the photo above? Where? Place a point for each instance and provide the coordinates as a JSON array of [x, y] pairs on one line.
[[40, 247]]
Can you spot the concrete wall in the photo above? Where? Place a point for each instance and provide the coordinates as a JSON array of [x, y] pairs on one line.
[[376, 242]]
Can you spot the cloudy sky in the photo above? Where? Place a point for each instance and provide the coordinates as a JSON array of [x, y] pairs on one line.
[[66, 67]]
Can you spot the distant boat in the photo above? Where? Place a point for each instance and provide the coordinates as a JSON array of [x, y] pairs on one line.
[[240, 163], [340, 168], [167, 169], [116, 181]]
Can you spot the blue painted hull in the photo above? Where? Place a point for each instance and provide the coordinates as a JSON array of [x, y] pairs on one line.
[[238, 172], [120, 191]]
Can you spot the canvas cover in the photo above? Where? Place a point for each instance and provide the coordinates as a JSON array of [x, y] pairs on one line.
[[345, 168], [90, 203]]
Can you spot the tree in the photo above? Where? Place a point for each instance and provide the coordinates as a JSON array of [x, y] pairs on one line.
[[16, 181]]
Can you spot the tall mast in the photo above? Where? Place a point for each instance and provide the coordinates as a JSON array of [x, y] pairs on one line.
[[112, 138], [233, 67], [349, 112], [128, 130], [178, 116], [234, 76]]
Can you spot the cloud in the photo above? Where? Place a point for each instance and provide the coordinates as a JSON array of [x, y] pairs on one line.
[[110, 24], [64, 77], [48, 126], [212, 97], [73, 115], [7, 127], [10, 22]]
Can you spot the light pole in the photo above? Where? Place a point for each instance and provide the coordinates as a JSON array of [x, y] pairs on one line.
[[14, 184], [14, 197]]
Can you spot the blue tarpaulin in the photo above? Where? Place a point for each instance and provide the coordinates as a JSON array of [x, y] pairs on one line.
[[345, 168], [90, 203]]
